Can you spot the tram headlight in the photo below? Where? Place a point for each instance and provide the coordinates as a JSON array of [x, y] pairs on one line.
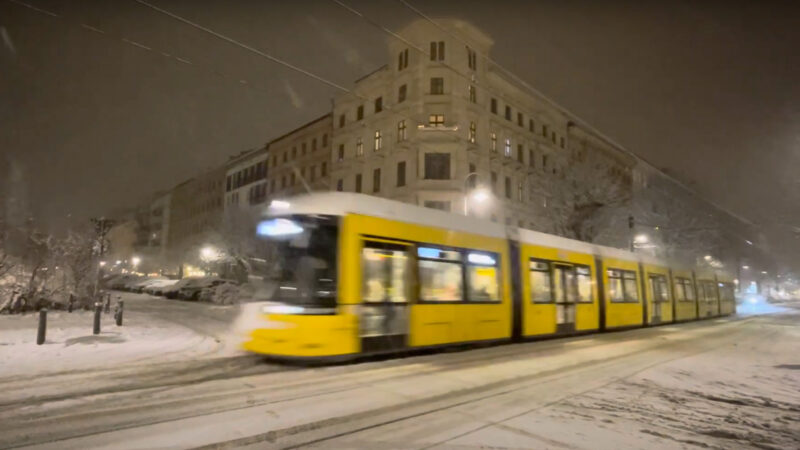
[[282, 309]]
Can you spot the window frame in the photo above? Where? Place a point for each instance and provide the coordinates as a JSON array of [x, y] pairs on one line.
[[464, 264], [625, 298]]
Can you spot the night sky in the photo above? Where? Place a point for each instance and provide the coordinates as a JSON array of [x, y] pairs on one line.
[[708, 90]]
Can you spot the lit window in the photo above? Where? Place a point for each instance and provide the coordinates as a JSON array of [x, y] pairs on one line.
[[440, 275], [473, 131], [385, 269], [378, 140], [359, 147], [541, 287], [493, 142], [508, 147], [482, 277], [622, 286], [401, 131], [473, 96], [401, 93], [436, 120]]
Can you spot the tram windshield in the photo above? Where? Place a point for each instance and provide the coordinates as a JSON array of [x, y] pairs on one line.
[[301, 261]]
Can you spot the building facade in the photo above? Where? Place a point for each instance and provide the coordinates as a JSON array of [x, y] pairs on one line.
[[432, 126], [246, 179], [300, 160]]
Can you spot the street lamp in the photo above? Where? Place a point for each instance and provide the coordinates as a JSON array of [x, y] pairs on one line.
[[135, 261], [208, 253], [479, 194]]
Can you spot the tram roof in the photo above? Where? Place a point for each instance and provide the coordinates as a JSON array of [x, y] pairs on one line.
[[343, 203]]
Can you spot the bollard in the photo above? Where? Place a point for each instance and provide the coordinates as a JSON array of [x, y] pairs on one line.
[[98, 309], [42, 326], [118, 313], [108, 303], [71, 303]]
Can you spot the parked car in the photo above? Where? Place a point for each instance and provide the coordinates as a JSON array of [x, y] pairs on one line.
[[158, 287], [172, 291], [120, 282], [140, 286], [191, 291]]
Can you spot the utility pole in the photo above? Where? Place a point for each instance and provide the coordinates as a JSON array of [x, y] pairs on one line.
[[101, 228], [630, 232]]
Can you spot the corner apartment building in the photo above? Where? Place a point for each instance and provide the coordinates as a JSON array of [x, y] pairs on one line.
[[434, 124], [246, 179]]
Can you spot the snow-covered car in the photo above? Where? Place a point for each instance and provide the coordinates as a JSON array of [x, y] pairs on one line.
[[140, 286], [172, 291], [131, 284], [158, 287], [121, 282], [191, 291]]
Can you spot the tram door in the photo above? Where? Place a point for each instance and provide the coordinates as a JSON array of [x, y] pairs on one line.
[[658, 295], [564, 289], [385, 294]]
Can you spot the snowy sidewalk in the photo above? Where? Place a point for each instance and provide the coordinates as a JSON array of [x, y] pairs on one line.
[[154, 330]]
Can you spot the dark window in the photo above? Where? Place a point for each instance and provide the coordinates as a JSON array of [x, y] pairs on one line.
[[323, 169], [312, 172], [341, 152], [340, 185], [562, 141], [544, 162], [376, 180], [437, 51], [285, 154], [401, 93], [292, 179], [325, 140], [379, 104], [314, 144], [294, 153], [531, 126], [544, 130], [228, 184], [358, 182], [473, 180], [520, 154], [473, 96], [494, 105], [508, 112], [341, 120], [553, 136], [437, 166], [436, 204], [508, 187], [437, 86], [401, 173], [520, 120], [472, 60], [302, 149], [531, 158], [494, 182], [360, 112]]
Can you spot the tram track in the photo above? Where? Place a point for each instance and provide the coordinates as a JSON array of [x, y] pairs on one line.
[[175, 401]]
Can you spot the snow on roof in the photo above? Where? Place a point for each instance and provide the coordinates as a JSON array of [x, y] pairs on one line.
[[343, 203]]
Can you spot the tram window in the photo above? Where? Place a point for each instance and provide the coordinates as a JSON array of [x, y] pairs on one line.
[[689, 289], [441, 275], [385, 271], [711, 292], [482, 276], [683, 290], [622, 286], [540, 278], [584, 282]]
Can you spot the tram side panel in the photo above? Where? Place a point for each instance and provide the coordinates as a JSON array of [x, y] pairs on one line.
[[559, 292], [622, 293], [461, 281], [684, 295]]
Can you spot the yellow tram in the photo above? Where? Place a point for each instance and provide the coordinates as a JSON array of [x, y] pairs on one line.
[[356, 274]]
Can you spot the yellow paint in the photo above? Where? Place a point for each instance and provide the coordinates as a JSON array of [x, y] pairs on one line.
[[431, 323], [305, 336], [622, 314], [684, 310], [665, 307], [540, 318]]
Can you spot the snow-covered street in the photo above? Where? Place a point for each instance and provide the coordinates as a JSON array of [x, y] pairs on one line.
[[726, 383], [154, 330]]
